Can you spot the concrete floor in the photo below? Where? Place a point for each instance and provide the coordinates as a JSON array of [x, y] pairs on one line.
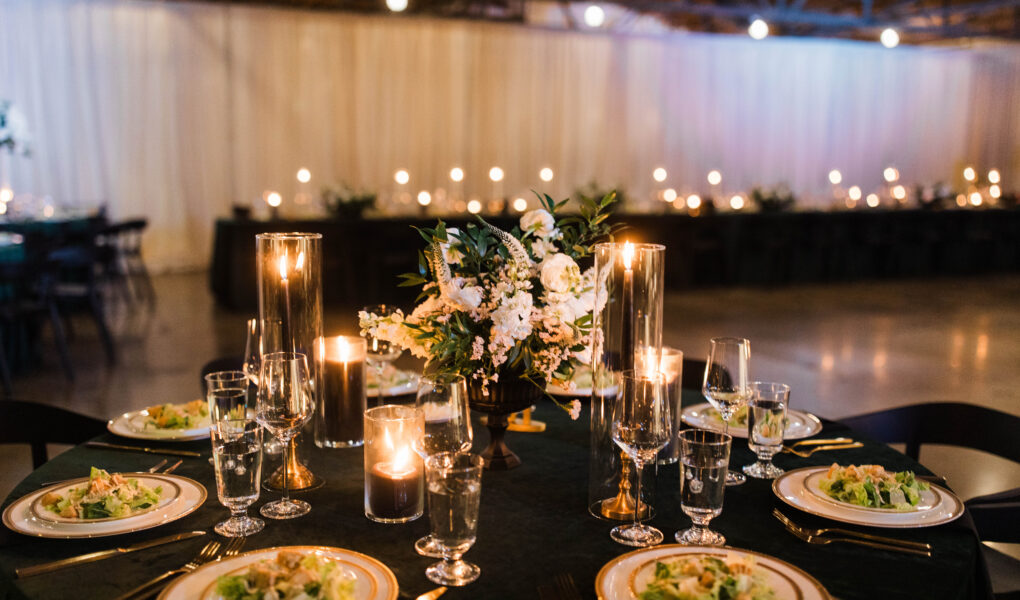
[[844, 349]]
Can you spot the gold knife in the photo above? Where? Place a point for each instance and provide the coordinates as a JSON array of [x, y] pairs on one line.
[[839, 440], [432, 595], [94, 556], [109, 446]]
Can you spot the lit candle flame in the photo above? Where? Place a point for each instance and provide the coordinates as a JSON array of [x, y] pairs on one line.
[[343, 350], [283, 267], [300, 261], [628, 255], [402, 461]]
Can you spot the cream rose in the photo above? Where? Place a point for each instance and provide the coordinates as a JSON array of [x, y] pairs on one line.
[[538, 222], [560, 273]]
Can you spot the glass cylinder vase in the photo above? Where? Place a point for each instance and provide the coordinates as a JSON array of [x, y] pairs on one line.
[[626, 333], [289, 273], [394, 472]]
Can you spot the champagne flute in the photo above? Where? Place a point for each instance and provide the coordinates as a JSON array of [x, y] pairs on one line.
[[725, 385], [642, 424], [251, 367], [381, 352], [285, 403], [443, 401]]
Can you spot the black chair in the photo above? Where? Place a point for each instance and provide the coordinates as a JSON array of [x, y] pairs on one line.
[[996, 516], [78, 288], [26, 296], [124, 265], [40, 424]]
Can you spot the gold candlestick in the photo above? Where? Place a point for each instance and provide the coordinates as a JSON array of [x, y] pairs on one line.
[[621, 506], [300, 478]]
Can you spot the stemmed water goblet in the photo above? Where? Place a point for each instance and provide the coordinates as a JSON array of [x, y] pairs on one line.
[[380, 352], [284, 404], [725, 385], [251, 366], [454, 491], [766, 424], [641, 426], [444, 404], [704, 456]]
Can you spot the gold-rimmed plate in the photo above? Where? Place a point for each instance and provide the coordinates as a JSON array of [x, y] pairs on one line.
[[626, 576], [799, 424], [170, 492], [792, 489], [132, 425], [930, 499], [373, 580], [19, 516]]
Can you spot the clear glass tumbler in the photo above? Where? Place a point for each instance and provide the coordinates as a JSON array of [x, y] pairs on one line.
[[705, 456], [237, 459], [766, 424], [455, 491], [226, 393]]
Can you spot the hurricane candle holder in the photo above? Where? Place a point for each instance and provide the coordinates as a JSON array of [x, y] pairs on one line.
[[289, 272], [626, 330], [339, 415], [671, 366], [394, 472]]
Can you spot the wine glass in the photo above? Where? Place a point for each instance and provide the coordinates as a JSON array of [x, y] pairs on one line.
[[381, 352], [251, 367], [455, 489], [705, 456], [285, 403], [766, 424], [642, 423], [444, 403], [725, 385]]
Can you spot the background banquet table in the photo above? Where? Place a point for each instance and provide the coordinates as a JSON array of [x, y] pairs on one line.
[[533, 526], [362, 257]]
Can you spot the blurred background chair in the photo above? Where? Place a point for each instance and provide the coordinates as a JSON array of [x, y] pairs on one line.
[[38, 424], [996, 516]]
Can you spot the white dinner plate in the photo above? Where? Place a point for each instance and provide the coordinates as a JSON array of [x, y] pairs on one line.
[[624, 577], [20, 517], [799, 424], [794, 489], [132, 425], [170, 493], [373, 579], [409, 386]]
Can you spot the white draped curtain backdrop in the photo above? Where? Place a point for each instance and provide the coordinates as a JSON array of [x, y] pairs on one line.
[[175, 111]]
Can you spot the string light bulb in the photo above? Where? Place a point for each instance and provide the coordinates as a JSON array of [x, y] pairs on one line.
[[456, 174], [993, 176], [304, 175], [402, 177], [396, 5], [594, 16], [669, 194], [546, 174], [758, 29], [496, 174], [714, 177], [659, 174], [835, 177], [424, 198], [969, 174], [890, 38]]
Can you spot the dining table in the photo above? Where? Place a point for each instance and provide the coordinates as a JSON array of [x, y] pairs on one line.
[[533, 528]]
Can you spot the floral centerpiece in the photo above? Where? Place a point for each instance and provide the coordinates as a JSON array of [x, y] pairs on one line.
[[343, 201], [504, 307], [14, 134]]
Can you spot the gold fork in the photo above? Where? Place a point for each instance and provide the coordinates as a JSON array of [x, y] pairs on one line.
[[234, 547], [205, 555], [864, 536], [823, 541], [807, 453]]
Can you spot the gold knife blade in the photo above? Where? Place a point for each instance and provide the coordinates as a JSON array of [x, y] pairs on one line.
[[433, 594], [169, 452], [839, 440], [94, 556]]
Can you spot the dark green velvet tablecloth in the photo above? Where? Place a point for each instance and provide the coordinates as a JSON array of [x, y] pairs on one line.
[[533, 525]]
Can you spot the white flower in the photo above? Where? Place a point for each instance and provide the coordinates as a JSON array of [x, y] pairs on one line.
[[513, 317], [560, 273], [575, 409], [542, 248], [539, 222], [462, 295], [450, 255], [584, 356]]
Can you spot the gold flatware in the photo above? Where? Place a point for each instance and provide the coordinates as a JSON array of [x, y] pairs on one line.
[[807, 453], [824, 541], [433, 594], [206, 554], [94, 556], [864, 536], [172, 467], [168, 452], [816, 442], [233, 548]]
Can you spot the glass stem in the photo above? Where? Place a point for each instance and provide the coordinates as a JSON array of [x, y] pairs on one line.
[[286, 479], [637, 497]]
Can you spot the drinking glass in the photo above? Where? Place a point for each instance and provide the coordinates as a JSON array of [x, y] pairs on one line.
[[237, 459], [381, 352], [226, 393], [642, 425], [725, 385], [285, 403], [455, 489], [705, 456], [443, 401], [251, 367], [766, 423]]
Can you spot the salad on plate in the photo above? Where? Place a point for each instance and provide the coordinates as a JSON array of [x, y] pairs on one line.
[[871, 486], [705, 577], [290, 576], [104, 496], [189, 415]]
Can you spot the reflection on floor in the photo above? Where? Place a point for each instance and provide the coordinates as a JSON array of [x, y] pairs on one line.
[[844, 349]]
